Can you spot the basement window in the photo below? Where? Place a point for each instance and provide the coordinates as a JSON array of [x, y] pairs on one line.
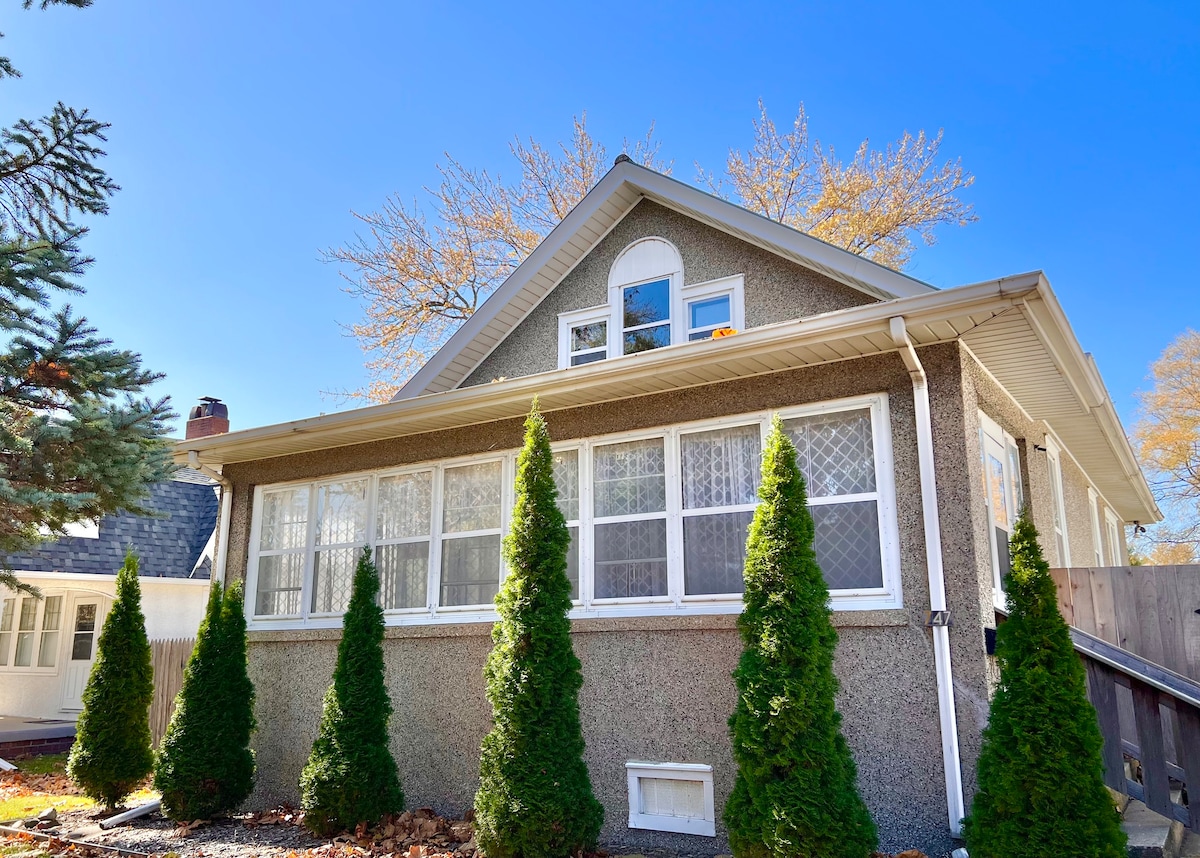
[[676, 797]]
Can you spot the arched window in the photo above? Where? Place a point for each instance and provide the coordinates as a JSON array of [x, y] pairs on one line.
[[648, 307], [642, 285]]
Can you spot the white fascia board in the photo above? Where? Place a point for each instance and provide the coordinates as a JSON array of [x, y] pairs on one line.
[[1078, 369], [884, 283], [888, 282], [315, 433], [518, 280]]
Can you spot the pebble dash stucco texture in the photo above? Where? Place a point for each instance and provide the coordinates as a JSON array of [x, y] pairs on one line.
[[660, 688], [776, 289]]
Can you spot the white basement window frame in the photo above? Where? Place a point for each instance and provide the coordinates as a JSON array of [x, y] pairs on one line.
[[402, 516], [31, 633], [674, 797]]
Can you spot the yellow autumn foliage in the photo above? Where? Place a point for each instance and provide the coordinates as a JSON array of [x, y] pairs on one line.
[[418, 278]]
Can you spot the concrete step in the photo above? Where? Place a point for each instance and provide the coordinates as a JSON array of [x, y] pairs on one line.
[[1190, 847], [1151, 835]]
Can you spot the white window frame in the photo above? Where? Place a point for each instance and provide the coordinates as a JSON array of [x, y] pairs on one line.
[[733, 286], [676, 602], [577, 319], [635, 770], [1097, 540], [38, 631], [989, 429], [1112, 541], [1058, 501], [617, 329]]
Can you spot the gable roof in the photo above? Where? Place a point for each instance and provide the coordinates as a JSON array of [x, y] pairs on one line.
[[599, 211], [172, 546]]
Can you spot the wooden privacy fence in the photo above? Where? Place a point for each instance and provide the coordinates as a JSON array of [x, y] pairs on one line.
[[169, 659], [1151, 611], [1137, 629], [1150, 720]]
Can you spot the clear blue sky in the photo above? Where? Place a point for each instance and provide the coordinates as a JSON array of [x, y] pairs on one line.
[[245, 133]]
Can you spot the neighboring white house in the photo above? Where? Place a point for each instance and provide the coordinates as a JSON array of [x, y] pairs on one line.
[[48, 644]]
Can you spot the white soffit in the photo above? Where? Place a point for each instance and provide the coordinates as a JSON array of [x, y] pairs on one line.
[[600, 210], [1014, 326]]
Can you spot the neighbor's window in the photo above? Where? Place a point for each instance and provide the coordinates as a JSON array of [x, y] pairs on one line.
[[29, 631], [657, 521]]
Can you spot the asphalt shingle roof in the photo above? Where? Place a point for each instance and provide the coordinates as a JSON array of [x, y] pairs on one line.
[[167, 547]]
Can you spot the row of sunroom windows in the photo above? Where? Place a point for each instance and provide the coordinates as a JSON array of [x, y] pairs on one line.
[[656, 518]]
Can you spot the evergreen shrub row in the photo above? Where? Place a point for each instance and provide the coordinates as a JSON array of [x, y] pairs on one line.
[[795, 793]]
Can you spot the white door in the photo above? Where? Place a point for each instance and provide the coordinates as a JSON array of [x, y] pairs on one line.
[[86, 616]]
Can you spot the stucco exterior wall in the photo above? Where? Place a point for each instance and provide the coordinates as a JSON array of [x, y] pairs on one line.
[[775, 289], [173, 609], [660, 688]]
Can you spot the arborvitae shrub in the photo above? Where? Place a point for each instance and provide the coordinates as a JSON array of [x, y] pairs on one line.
[[205, 765], [535, 798], [795, 794], [112, 753], [350, 777], [1041, 773]]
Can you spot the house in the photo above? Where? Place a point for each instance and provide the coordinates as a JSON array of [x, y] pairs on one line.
[[925, 419], [48, 645]]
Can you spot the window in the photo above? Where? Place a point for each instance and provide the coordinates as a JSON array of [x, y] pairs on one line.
[[649, 307], [713, 306], [720, 475], [29, 631], [1094, 511], [1058, 506], [1112, 530], [674, 797], [472, 516], [583, 336], [630, 490], [658, 523], [1002, 495]]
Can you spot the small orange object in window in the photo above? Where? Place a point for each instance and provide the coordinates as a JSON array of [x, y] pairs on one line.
[[723, 332]]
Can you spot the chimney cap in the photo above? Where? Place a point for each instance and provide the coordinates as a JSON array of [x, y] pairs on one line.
[[209, 399]]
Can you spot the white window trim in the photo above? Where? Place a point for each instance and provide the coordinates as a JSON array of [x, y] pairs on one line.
[[1054, 463], [635, 770], [733, 286], [989, 428], [1097, 540], [578, 318], [33, 669], [1112, 540], [675, 603]]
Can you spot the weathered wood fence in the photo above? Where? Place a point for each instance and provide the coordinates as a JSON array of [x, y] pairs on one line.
[[1137, 629], [1151, 611], [169, 658]]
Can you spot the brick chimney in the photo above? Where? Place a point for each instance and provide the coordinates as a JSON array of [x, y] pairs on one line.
[[210, 417]]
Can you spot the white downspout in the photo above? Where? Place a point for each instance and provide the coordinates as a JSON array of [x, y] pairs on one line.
[[218, 572], [951, 761]]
